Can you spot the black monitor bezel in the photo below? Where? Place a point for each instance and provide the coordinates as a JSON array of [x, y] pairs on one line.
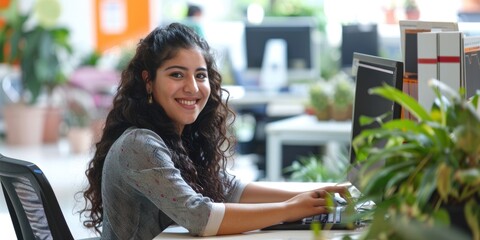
[[304, 25], [398, 68]]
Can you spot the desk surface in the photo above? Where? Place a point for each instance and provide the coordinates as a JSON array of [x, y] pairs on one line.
[[181, 233], [308, 124], [277, 104]]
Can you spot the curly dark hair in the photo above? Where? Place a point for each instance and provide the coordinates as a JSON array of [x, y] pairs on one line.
[[200, 152]]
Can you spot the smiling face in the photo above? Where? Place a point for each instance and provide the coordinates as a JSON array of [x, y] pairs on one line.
[[181, 86]]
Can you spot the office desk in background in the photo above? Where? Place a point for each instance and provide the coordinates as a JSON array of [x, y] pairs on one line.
[[300, 130], [277, 104]]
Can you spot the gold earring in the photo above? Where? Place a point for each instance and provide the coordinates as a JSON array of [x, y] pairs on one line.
[[150, 98]]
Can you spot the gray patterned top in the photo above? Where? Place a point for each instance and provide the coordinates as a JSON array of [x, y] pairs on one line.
[[143, 193]]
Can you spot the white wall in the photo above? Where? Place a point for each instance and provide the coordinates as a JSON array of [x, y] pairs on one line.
[[79, 17]]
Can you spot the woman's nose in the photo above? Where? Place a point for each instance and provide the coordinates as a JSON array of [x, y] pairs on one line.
[[191, 85]]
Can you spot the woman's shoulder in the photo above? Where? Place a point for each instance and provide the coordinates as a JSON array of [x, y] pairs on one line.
[[139, 134], [136, 144], [140, 137]]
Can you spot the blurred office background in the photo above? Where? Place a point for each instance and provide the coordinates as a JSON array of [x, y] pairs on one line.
[[319, 37]]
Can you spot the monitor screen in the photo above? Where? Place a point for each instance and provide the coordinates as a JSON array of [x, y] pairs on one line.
[[369, 72], [298, 34], [361, 38]]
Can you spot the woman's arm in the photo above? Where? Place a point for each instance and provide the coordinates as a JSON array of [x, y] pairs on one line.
[[242, 217], [258, 193]]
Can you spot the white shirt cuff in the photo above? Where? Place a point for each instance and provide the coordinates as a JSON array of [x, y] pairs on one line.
[[215, 219]]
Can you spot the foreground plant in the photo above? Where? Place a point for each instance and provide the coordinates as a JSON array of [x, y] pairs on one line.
[[431, 175]]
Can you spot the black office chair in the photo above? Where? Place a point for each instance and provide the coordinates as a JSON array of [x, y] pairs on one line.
[[31, 202]]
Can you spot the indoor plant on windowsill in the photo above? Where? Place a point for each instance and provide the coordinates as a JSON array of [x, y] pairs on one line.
[[342, 99], [37, 49], [412, 12], [430, 183], [319, 101]]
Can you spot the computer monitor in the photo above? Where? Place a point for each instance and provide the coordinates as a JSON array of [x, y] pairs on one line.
[[361, 38], [370, 72], [298, 33]]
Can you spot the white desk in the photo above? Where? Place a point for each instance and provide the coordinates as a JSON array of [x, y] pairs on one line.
[[276, 103], [300, 130], [181, 233]]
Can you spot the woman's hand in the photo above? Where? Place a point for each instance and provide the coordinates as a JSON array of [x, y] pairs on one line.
[[313, 202]]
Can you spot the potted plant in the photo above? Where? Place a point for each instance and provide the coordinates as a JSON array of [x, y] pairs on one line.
[[37, 49], [342, 100], [79, 120], [319, 168], [431, 176], [411, 10], [390, 12], [320, 100]]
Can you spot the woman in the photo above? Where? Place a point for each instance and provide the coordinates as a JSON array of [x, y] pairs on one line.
[[162, 157]]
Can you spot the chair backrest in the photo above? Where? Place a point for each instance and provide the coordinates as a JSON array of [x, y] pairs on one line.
[[30, 199]]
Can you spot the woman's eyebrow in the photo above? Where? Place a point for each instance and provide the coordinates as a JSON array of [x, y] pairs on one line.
[[185, 68], [175, 66]]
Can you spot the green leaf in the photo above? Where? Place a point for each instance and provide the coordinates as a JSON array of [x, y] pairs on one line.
[[472, 214], [364, 120], [427, 185], [442, 88], [405, 100], [441, 217], [466, 131], [474, 99], [416, 131], [316, 229], [469, 176], [378, 181], [444, 181]]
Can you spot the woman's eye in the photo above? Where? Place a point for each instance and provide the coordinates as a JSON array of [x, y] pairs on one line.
[[202, 76], [176, 75]]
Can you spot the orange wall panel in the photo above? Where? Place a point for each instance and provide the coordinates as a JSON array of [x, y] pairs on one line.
[[136, 24], [3, 4]]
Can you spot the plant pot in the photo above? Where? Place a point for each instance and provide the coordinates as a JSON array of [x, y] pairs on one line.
[[390, 16], [80, 139], [24, 124], [342, 114], [413, 14], [53, 119], [325, 114]]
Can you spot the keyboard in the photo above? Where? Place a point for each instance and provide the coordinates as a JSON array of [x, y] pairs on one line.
[[325, 217], [333, 220]]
